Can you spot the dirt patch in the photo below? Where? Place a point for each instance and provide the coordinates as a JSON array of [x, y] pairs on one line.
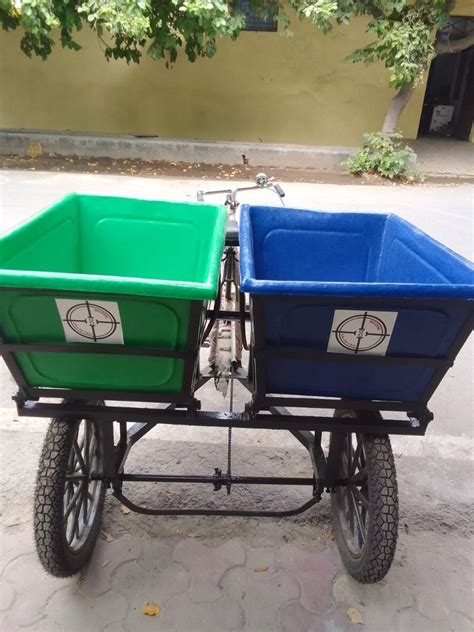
[[144, 169]]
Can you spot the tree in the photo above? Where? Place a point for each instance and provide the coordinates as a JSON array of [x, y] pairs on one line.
[[403, 31], [404, 39], [125, 28]]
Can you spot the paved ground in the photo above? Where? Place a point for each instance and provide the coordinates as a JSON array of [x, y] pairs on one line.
[[444, 156], [212, 574]]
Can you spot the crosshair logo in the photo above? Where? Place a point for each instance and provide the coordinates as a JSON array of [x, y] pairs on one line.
[[91, 321], [361, 332]]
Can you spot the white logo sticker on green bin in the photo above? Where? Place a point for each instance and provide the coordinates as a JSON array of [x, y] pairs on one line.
[[361, 331], [90, 321]]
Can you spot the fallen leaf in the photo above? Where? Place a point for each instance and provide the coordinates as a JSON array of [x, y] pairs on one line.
[[242, 596], [261, 569], [106, 536], [355, 615], [34, 150], [105, 563], [151, 609], [124, 510]]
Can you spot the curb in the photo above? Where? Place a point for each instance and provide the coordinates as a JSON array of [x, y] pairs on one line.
[[319, 157]]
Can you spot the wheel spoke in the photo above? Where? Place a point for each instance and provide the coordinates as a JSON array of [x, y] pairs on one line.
[[359, 478], [85, 503], [356, 458], [69, 492], [87, 440], [71, 461], [75, 517], [348, 509], [72, 503], [358, 518], [349, 451], [360, 496], [92, 450], [77, 450]]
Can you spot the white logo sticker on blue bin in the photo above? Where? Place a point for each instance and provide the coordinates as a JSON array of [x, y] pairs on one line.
[[90, 321], [357, 332]]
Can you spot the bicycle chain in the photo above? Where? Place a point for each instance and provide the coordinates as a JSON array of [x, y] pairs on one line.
[[229, 437]]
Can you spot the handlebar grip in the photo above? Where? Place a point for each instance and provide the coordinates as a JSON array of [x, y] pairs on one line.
[[279, 190], [200, 196]]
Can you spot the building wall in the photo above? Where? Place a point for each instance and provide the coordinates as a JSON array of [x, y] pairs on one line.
[[264, 87]]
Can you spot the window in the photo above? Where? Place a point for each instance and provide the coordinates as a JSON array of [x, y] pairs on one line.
[[258, 19]]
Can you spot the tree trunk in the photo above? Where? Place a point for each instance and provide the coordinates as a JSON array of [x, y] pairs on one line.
[[396, 107], [399, 101]]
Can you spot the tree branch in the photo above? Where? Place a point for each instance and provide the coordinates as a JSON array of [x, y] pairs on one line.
[[376, 12], [455, 46]]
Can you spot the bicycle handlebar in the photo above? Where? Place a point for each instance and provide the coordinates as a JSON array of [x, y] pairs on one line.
[[262, 183], [279, 190]]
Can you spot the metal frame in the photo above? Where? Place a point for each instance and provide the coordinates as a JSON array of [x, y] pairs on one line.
[[264, 400], [265, 411], [306, 429], [190, 357]]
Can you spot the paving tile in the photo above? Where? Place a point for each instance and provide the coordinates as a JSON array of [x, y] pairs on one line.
[[458, 622], [339, 621], [295, 618], [114, 627], [261, 594], [411, 620], [155, 555], [7, 595], [106, 558], [33, 587], [431, 604], [207, 565], [314, 572], [139, 585], [75, 612], [12, 545], [184, 615]]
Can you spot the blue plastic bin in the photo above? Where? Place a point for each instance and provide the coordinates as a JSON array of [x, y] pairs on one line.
[[351, 305]]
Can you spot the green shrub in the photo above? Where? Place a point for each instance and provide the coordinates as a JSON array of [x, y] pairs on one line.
[[385, 155]]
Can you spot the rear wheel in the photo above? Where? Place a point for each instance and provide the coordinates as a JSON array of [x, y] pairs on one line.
[[365, 509], [68, 502]]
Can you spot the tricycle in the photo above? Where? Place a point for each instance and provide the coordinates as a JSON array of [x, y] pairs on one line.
[[105, 303]]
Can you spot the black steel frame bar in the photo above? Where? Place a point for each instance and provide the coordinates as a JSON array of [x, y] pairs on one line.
[[312, 442], [180, 399], [270, 401], [190, 355], [264, 400], [301, 353], [235, 480], [229, 315], [220, 420], [215, 512], [14, 369]]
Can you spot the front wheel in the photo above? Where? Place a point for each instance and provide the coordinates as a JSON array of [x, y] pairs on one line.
[[68, 499], [365, 508]]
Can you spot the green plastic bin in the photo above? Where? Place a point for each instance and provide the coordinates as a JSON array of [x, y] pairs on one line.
[[110, 271]]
